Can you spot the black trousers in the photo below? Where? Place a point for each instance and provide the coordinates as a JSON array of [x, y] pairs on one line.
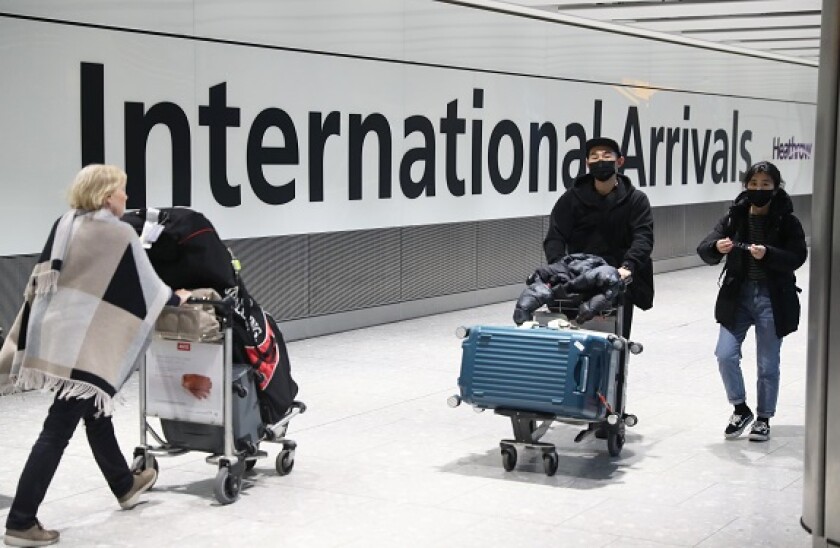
[[63, 417]]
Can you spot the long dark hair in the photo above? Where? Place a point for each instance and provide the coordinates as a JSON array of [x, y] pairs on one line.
[[764, 167]]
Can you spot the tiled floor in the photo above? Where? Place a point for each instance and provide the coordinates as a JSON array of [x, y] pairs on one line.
[[382, 461]]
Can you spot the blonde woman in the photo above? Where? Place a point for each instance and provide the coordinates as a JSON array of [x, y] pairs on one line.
[[88, 310]]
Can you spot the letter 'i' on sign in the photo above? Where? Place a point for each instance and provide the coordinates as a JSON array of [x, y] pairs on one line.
[[138, 125]]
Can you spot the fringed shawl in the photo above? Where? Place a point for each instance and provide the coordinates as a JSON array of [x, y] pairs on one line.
[[89, 308]]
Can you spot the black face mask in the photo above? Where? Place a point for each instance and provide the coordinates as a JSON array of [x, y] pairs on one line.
[[602, 170], [760, 198]]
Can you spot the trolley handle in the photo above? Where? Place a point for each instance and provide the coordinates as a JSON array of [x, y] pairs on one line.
[[223, 308]]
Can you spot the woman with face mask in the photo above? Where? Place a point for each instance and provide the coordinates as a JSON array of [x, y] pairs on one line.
[[764, 244]]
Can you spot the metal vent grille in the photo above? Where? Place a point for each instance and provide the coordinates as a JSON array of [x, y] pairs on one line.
[[438, 260], [508, 250], [802, 210], [527, 368], [14, 271], [274, 271], [700, 219], [352, 270], [668, 231]]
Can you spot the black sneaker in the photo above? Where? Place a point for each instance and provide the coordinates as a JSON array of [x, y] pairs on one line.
[[737, 425], [760, 431]]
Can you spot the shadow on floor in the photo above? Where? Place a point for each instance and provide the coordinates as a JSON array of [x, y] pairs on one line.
[[587, 460]]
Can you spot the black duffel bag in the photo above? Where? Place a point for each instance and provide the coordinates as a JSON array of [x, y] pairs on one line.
[[258, 341], [188, 252]]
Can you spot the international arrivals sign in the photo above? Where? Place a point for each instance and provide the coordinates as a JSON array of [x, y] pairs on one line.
[[273, 142]]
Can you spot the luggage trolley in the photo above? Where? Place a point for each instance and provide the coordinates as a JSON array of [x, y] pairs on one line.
[[219, 414], [502, 388]]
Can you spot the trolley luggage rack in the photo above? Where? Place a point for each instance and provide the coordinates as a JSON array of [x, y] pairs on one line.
[[529, 427], [232, 461]]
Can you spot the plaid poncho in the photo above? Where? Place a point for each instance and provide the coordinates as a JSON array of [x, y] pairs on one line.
[[89, 308]]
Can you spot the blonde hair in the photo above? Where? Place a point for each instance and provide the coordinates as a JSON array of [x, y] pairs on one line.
[[93, 184]]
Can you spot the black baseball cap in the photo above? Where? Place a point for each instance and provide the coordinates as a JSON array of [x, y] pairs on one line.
[[603, 142]]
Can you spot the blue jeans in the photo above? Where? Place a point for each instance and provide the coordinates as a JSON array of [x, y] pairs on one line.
[[753, 309], [63, 417]]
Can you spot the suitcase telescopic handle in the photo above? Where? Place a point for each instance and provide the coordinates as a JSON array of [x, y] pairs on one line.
[[581, 373]]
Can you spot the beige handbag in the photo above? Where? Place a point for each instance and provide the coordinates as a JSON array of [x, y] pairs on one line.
[[191, 322]]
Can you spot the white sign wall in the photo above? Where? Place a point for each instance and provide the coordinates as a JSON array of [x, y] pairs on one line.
[[274, 142]]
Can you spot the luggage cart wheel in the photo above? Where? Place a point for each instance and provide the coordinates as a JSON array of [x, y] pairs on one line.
[[227, 486], [615, 441], [508, 457], [285, 462], [550, 463], [141, 462]]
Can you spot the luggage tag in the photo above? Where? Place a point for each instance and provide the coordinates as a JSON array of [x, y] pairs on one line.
[[152, 228], [560, 323], [529, 325]]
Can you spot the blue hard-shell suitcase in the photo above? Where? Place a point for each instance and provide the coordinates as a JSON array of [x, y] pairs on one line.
[[567, 373], [536, 375]]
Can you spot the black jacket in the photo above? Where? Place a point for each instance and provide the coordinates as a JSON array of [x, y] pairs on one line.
[[587, 279], [617, 227], [786, 251]]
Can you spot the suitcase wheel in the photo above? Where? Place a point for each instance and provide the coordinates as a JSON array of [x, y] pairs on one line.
[[285, 461], [227, 486], [509, 457], [550, 463], [615, 442], [631, 420]]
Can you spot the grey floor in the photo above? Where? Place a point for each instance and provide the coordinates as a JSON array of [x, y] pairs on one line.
[[382, 461]]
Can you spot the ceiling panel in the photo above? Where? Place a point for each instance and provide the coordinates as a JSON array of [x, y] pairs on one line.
[[779, 27]]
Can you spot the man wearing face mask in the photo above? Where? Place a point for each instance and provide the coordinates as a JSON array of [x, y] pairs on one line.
[[603, 214], [764, 244]]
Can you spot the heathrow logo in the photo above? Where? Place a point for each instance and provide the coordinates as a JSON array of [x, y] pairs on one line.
[[791, 149]]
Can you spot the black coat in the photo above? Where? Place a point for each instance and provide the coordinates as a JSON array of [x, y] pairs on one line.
[[617, 227], [786, 251]]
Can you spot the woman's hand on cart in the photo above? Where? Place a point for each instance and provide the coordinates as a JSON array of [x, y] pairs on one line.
[[184, 295]]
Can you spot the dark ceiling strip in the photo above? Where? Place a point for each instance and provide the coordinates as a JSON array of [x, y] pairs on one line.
[[755, 15], [752, 29], [773, 39], [632, 4]]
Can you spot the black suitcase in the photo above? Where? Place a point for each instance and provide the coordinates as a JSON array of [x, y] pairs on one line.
[[247, 423], [188, 253]]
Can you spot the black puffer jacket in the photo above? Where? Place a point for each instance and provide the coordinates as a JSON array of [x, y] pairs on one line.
[[587, 279], [786, 251], [617, 227]]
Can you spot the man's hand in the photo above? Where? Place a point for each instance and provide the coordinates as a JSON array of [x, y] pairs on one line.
[[758, 251], [624, 273]]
